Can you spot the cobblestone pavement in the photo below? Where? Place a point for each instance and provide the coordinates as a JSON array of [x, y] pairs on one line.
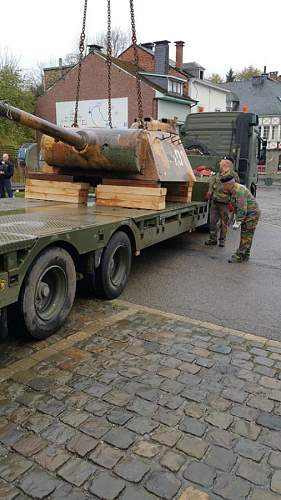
[[132, 403]]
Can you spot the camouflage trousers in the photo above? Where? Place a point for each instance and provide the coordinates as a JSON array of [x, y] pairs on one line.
[[248, 228], [219, 217]]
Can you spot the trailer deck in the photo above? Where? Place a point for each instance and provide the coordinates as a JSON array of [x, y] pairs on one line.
[[22, 222]]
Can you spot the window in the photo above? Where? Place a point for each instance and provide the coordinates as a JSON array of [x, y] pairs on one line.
[[175, 87], [274, 130], [265, 132]]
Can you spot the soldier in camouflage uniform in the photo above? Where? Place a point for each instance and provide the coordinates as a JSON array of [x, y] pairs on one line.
[[219, 211], [247, 214]]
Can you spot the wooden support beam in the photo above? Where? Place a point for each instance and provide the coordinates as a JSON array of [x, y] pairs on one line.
[[149, 198], [70, 192], [179, 191], [130, 182]]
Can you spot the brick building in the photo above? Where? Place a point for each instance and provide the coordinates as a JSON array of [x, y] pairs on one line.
[[205, 95], [54, 73], [164, 90]]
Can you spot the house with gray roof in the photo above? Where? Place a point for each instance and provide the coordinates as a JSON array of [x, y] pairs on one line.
[[180, 78], [260, 95]]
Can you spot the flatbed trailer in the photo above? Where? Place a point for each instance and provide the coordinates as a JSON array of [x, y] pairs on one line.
[[46, 247]]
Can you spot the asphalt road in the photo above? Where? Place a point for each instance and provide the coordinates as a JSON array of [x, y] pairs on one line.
[[185, 277]]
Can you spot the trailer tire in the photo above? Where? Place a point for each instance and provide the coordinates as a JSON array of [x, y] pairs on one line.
[[113, 273], [48, 293]]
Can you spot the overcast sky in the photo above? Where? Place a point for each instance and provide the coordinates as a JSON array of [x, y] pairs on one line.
[[217, 33]]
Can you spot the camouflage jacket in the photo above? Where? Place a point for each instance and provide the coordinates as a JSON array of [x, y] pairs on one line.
[[216, 187], [245, 205]]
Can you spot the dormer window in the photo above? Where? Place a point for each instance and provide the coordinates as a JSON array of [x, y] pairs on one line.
[[201, 74], [175, 86]]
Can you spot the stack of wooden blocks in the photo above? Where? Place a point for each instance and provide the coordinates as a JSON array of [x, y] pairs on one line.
[[50, 185], [56, 190], [150, 198], [180, 192]]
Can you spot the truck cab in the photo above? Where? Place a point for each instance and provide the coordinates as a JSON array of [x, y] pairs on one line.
[[207, 137]]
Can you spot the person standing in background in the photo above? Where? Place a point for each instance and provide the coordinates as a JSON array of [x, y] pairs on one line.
[[6, 173]]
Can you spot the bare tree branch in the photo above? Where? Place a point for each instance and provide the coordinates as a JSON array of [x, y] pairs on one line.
[[120, 40], [8, 60]]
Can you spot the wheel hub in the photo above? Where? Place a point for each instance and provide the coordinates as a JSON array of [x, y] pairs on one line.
[[50, 292], [44, 290]]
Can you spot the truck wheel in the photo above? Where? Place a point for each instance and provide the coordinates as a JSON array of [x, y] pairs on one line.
[[48, 293], [115, 266]]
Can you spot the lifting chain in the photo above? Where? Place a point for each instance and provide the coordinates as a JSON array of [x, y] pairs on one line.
[[136, 61], [81, 53], [109, 63]]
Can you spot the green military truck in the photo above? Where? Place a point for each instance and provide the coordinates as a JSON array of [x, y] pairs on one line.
[[207, 137]]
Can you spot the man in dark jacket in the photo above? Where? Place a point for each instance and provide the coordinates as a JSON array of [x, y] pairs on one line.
[[6, 172]]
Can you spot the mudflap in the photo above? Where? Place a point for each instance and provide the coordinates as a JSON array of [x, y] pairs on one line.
[[3, 323]]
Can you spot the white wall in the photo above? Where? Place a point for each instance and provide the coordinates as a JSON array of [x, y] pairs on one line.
[[169, 109], [93, 113], [270, 122], [210, 98]]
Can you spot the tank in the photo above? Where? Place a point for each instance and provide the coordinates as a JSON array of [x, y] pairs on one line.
[[152, 153]]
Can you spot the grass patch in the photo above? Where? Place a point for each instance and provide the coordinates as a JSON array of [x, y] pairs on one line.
[[19, 194]]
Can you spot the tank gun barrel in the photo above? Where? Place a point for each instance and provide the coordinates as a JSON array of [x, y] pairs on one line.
[[61, 134]]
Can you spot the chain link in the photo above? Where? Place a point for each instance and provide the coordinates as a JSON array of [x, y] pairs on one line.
[[109, 63], [81, 54], [136, 61]]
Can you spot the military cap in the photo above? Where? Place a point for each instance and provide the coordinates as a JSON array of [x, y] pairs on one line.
[[226, 178], [228, 158]]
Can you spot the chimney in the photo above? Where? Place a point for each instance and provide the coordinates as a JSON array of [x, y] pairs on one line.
[[60, 67], [161, 57], [92, 47], [148, 45], [179, 54], [273, 75]]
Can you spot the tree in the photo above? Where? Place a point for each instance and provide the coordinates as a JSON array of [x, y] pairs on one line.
[[120, 40], [34, 80], [7, 60], [215, 78], [230, 76], [248, 72], [14, 90]]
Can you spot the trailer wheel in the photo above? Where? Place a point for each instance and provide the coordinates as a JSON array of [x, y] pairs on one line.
[[115, 266], [48, 293]]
